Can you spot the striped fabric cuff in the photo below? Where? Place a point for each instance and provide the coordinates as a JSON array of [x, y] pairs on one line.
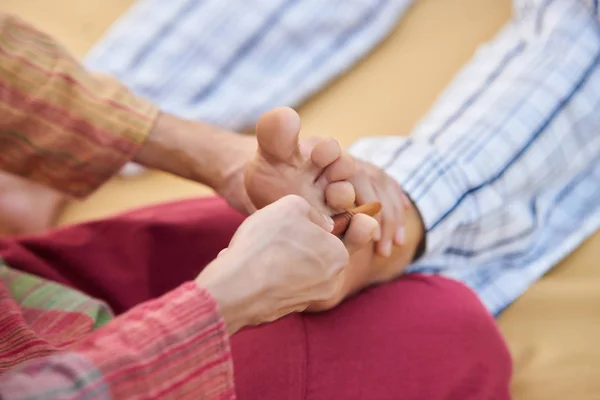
[[175, 346]]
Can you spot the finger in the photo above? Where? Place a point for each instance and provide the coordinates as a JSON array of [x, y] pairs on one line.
[[222, 252], [330, 248], [365, 193], [360, 232], [388, 221], [400, 213], [293, 204], [323, 221], [340, 195], [341, 169], [363, 187], [405, 200]]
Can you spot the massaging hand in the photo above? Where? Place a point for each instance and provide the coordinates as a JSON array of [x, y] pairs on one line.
[[371, 184], [280, 260]]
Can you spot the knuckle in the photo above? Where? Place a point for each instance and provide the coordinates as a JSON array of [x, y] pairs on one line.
[[339, 250], [335, 259], [388, 216], [360, 172], [332, 290], [400, 215], [342, 258]]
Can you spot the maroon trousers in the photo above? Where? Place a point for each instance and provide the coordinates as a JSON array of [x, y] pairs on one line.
[[419, 337]]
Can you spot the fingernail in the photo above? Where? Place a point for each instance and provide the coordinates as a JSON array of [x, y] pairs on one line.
[[386, 248], [400, 235]]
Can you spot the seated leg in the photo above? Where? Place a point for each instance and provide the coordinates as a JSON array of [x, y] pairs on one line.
[[130, 258], [419, 337]]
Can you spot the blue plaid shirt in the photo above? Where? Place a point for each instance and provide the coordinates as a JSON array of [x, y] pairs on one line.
[[505, 169]]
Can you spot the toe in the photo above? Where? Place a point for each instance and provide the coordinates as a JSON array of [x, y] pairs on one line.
[[277, 135], [325, 153], [341, 169], [340, 195], [307, 144]]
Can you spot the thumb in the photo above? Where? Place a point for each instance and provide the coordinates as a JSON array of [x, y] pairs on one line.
[[322, 220], [301, 207], [360, 232]]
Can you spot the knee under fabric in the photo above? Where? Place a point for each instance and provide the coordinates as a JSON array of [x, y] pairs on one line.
[[420, 337]]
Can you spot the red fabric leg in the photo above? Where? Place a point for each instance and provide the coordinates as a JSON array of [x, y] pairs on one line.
[[416, 338], [133, 257]]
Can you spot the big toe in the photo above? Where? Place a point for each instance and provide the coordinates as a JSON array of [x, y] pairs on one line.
[[277, 135]]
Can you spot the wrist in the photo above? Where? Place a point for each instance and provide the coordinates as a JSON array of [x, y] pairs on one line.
[[219, 279], [231, 313]]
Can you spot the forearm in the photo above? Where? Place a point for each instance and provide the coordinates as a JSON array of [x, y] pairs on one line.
[[70, 129], [166, 348], [59, 124], [194, 150]]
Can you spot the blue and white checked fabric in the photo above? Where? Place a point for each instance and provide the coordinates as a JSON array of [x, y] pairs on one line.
[[505, 169], [227, 62]]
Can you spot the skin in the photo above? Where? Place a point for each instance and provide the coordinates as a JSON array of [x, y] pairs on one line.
[[248, 172], [282, 165], [253, 173], [293, 230], [282, 259], [26, 207]]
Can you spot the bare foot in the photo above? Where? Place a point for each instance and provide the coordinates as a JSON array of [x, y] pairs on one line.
[[284, 166], [316, 171], [26, 207]]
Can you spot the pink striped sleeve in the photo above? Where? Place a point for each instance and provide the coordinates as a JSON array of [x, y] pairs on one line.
[[169, 348], [61, 125]]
